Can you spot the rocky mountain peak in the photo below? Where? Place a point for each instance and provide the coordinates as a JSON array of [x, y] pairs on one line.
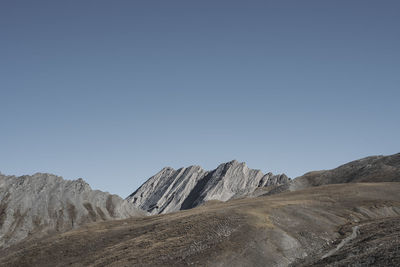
[[172, 190]]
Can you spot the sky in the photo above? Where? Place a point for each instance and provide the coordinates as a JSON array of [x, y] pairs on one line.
[[113, 91]]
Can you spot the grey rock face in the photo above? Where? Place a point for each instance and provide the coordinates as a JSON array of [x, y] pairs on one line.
[[172, 190], [44, 203]]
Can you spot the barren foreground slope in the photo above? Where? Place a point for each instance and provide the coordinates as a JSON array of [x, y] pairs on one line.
[[265, 231], [376, 243]]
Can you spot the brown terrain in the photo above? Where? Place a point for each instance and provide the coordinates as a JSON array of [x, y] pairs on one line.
[[377, 244], [301, 228], [370, 169]]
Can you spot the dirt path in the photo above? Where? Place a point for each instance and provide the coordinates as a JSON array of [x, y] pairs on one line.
[[353, 235]]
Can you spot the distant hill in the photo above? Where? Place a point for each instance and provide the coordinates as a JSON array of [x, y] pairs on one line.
[[373, 169]]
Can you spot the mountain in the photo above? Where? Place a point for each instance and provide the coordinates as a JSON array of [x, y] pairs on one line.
[[370, 169], [32, 206], [347, 216], [346, 223], [172, 190]]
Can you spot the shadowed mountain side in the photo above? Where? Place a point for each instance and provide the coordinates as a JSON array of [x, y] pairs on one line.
[[44, 203], [264, 231]]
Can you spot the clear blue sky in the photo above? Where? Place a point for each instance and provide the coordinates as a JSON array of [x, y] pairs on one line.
[[112, 91]]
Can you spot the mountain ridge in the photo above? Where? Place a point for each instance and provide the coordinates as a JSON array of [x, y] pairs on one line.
[[171, 190], [380, 168], [38, 204]]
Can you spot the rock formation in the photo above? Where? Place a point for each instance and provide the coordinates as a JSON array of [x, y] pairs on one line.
[[44, 203], [172, 190]]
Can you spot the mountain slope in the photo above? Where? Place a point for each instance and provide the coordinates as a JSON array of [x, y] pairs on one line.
[[172, 190], [369, 169], [376, 243], [272, 230], [44, 203]]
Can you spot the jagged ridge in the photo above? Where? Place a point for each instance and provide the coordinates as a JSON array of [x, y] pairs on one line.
[[172, 190]]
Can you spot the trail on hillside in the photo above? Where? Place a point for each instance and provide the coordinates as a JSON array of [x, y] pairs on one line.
[[353, 235]]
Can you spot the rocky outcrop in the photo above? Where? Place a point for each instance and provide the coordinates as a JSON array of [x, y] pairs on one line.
[[44, 203], [172, 190]]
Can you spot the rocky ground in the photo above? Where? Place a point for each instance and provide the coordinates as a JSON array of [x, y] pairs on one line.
[[377, 243]]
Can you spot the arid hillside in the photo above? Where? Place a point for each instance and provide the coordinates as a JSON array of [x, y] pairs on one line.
[[376, 243], [304, 227], [370, 169]]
